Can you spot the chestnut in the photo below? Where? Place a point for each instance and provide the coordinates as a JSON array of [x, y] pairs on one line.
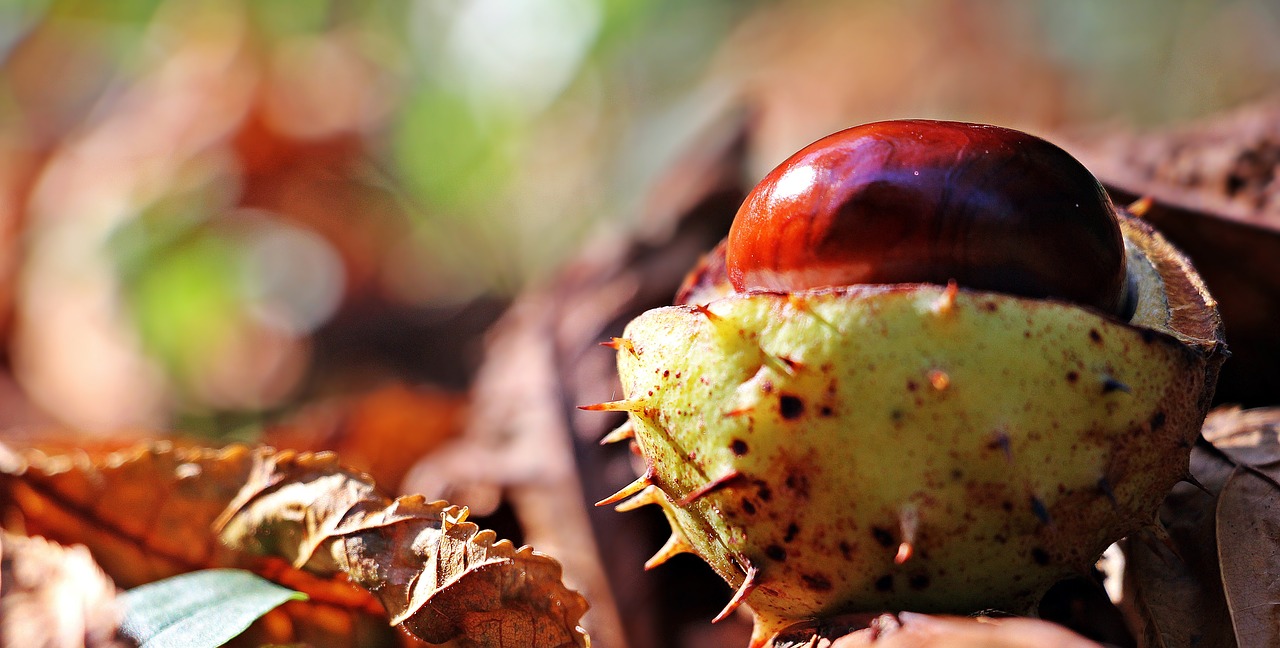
[[917, 201]]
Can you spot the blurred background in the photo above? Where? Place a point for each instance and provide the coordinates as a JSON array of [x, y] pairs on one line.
[[300, 218], [215, 212]]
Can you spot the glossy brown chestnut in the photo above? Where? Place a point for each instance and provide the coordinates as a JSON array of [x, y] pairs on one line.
[[918, 201]]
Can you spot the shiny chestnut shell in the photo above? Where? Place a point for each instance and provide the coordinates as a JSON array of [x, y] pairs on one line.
[[915, 201]]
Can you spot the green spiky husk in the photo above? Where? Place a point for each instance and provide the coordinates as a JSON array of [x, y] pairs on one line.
[[1007, 441]]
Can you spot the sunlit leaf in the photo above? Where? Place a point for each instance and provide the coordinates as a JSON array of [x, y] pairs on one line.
[[201, 609], [146, 514], [440, 577]]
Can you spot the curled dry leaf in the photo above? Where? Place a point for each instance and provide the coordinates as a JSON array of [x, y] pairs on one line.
[[1248, 522], [1212, 580], [439, 576], [144, 512], [911, 630], [147, 514], [54, 596]]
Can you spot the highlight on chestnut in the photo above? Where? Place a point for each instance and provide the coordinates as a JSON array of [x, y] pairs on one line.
[[917, 201]]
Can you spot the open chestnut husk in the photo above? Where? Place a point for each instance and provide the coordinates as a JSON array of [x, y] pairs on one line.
[[949, 431]]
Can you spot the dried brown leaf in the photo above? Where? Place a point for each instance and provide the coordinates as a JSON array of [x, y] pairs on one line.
[[1207, 583], [54, 597], [1249, 552], [440, 577], [147, 514], [1247, 437], [1174, 589]]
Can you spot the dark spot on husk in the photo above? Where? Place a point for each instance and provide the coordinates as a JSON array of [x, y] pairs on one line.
[[816, 582], [884, 583], [1104, 486], [798, 483], [846, 551], [1000, 441], [918, 582], [763, 491], [792, 530], [738, 446], [1073, 376], [912, 386], [990, 307], [666, 373], [1110, 384], [776, 553], [1040, 556], [767, 386], [1007, 506], [826, 411], [790, 406], [1095, 336], [1157, 421], [748, 507], [1040, 510], [883, 536]]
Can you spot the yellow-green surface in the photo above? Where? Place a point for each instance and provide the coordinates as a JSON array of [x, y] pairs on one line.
[[1007, 440]]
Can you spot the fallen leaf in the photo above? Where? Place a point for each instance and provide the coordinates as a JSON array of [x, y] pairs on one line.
[[1206, 583], [144, 512], [1246, 437], [54, 596], [148, 514], [203, 609], [439, 576], [1249, 552], [1175, 589]]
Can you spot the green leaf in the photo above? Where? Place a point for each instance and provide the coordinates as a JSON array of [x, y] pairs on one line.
[[201, 609]]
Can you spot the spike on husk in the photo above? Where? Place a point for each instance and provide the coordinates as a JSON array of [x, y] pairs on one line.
[[719, 483], [1141, 206], [618, 343], [908, 527], [649, 495], [675, 545], [634, 487], [624, 405], [946, 303], [749, 585], [621, 433]]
